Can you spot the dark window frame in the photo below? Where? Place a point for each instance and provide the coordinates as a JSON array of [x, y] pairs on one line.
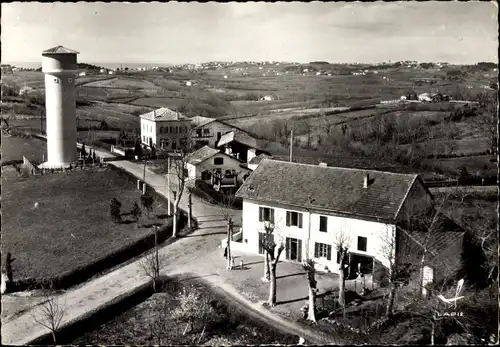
[[323, 222], [362, 243]]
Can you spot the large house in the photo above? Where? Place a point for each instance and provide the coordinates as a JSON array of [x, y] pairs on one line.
[[216, 168], [165, 129], [310, 206]]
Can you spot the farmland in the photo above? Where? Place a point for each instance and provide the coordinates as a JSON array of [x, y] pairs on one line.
[[315, 106]]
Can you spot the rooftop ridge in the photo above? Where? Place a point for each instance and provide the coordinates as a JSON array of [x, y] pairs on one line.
[[341, 168]]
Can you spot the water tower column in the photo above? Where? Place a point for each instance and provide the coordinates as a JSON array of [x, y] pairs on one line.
[[59, 66]]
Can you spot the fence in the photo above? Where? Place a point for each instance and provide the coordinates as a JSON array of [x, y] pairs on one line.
[[33, 169]]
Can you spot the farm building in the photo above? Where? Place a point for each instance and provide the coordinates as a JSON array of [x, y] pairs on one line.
[[208, 131], [424, 97], [267, 98], [83, 73], [311, 205], [241, 145], [255, 161], [164, 129], [216, 168]]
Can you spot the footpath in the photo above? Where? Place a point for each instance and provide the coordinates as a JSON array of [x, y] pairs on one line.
[[187, 255]]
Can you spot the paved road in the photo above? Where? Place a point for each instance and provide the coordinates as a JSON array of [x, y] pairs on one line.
[[186, 255]]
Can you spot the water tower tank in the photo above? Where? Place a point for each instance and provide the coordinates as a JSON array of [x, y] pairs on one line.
[[60, 66]]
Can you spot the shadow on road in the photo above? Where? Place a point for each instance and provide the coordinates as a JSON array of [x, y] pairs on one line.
[[290, 275], [206, 234]]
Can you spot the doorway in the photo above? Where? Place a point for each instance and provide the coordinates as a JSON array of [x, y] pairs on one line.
[[293, 249]]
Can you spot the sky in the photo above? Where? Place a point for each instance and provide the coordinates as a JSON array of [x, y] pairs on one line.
[[173, 33]]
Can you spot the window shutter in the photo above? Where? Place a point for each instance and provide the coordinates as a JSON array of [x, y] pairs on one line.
[[328, 252], [287, 248], [316, 250], [272, 215], [288, 215], [261, 214], [300, 220], [299, 251]]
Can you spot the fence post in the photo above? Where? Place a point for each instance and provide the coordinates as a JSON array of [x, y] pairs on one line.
[[144, 188], [138, 184]]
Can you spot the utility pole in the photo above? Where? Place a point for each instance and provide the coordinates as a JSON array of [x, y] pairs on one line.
[[291, 145], [156, 251], [168, 185]]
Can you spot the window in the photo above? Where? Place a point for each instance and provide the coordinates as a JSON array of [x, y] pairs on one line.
[[294, 219], [56, 80], [266, 214], [206, 131], [322, 250], [218, 161], [171, 130], [323, 222], [165, 130], [176, 129], [180, 129], [362, 243], [161, 130]]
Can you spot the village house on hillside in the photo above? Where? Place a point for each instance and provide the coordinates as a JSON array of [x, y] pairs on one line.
[[241, 145], [208, 131], [165, 129], [311, 204], [216, 168]]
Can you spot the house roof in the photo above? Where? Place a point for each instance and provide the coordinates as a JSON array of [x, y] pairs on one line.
[[59, 50], [240, 137], [163, 114], [333, 189], [201, 155], [199, 121], [259, 158]]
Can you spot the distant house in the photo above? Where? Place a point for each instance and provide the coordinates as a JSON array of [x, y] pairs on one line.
[[83, 73], [111, 72], [267, 98], [425, 97], [310, 205], [165, 129], [208, 131], [102, 70], [241, 145], [216, 168], [188, 83]]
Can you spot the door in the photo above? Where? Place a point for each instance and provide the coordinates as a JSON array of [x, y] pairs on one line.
[[293, 249], [174, 144], [219, 135]]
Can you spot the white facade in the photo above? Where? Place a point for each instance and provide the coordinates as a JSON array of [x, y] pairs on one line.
[[209, 134], [168, 135], [218, 161], [303, 240], [60, 105]]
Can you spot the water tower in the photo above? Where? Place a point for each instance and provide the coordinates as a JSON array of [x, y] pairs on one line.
[[60, 67]]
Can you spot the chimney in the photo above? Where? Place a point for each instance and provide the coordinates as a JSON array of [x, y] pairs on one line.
[[366, 180]]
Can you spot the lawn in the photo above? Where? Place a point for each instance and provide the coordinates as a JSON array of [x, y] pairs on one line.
[[70, 227], [173, 103], [13, 148], [229, 325]]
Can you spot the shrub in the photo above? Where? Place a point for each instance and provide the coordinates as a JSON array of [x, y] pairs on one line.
[[136, 212], [147, 202], [114, 210]]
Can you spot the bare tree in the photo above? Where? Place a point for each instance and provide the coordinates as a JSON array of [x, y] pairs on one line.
[[342, 242], [179, 170], [226, 209], [190, 186], [159, 323], [309, 267], [273, 245], [50, 313], [152, 262]]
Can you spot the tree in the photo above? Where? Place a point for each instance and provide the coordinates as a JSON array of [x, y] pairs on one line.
[[342, 242], [50, 313], [136, 211], [226, 209], [138, 150], [273, 245], [309, 266], [147, 201], [190, 186], [179, 170], [193, 308], [114, 210], [151, 263]]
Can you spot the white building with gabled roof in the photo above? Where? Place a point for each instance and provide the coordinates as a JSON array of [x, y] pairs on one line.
[[165, 129]]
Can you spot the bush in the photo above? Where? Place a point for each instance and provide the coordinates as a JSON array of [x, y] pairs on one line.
[[147, 202], [114, 210], [136, 211]]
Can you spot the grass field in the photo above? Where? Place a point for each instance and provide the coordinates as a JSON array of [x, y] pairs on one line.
[[13, 148], [71, 226], [157, 102]]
